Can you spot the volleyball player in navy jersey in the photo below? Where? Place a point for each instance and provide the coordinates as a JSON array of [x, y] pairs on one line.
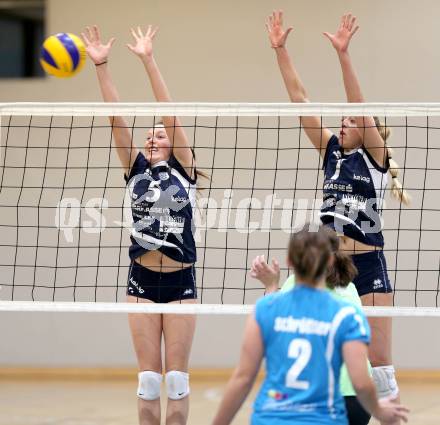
[[305, 334], [161, 181], [355, 163]]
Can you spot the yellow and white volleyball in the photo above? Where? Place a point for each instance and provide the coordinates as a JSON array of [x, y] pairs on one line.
[[63, 55]]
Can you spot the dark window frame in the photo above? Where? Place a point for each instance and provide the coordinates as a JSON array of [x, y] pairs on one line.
[[31, 22]]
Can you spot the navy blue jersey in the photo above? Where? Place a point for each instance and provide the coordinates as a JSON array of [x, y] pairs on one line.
[[303, 332], [354, 190], [163, 199]]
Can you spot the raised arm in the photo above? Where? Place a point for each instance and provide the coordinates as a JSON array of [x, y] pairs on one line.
[[385, 410], [278, 36], [244, 375], [143, 47], [98, 53], [370, 135]]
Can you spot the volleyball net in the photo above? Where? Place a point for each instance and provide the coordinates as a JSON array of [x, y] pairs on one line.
[[65, 214]]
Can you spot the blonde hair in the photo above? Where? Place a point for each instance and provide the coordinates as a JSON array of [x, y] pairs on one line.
[[397, 190]]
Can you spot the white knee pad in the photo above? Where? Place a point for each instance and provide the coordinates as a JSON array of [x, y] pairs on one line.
[[177, 384], [385, 381], [149, 385]]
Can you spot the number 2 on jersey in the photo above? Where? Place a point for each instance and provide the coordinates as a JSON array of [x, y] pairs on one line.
[[301, 350]]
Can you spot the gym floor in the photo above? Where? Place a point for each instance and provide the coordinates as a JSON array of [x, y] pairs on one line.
[[113, 402]]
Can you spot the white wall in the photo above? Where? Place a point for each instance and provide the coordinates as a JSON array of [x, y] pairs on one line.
[[218, 51]]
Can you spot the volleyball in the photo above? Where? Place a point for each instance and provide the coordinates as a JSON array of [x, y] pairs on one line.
[[63, 55]]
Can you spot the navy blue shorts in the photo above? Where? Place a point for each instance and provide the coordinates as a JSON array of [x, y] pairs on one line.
[[372, 274], [161, 287]]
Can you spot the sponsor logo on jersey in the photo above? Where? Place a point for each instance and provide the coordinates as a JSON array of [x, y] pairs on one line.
[[163, 175], [361, 178], [377, 283], [277, 395], [170, 224], [188, 291], [357, 202], [136, 285], [338, 186], [180, 198]]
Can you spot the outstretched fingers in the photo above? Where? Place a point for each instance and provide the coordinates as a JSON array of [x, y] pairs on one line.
[[353, 31], [280, 17], [90, 35], [268, 28], [342, 24], [110, 42], [133, 33], [96, 33], [288, 30], [270, 21], [276, 265], [85, 39], [152, 31], [328, 35]]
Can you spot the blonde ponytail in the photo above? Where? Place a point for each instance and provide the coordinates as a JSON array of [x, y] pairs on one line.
[[397, 190]]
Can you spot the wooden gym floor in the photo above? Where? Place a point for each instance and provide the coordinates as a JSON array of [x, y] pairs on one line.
[[72, 400]]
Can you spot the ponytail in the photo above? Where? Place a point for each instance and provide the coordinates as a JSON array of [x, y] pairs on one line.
[[342, 272], [200, 173], [397, 190]]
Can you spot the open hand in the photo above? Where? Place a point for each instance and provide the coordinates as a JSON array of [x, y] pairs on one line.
[[95, 48], [390, 412], [274, 25], [268, 275], [341, 39], [143, 45]]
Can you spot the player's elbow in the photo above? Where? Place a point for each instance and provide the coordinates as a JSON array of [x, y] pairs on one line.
[[244, 377], [363, 385]]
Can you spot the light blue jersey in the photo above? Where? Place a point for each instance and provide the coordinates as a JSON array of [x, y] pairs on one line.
[[303, 332]]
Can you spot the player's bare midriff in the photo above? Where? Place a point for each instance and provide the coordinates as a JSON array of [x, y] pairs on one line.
[[158, 262], [352, 247]]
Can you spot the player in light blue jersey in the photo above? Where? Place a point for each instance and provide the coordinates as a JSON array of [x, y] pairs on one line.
[[339, 282], [305, 335]]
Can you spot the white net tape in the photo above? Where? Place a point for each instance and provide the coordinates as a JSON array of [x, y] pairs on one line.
[[185, 308], [220, 109]]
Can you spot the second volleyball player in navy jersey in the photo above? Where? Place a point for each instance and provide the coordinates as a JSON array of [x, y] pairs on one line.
[[305, 335], [162, 201], [354, 190], [161, 184], [356, 163]]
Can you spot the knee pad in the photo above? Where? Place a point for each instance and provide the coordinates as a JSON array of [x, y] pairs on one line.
[[385, 381], [149, 385], [177, 384]]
